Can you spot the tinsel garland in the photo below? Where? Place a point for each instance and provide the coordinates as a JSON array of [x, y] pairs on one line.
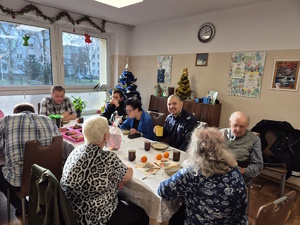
[[59, 16]]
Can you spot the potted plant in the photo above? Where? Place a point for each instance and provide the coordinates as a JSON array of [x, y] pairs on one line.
[[79, 105]]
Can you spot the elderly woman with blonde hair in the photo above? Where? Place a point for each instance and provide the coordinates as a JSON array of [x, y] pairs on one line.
[[210, 185], [91, 177]]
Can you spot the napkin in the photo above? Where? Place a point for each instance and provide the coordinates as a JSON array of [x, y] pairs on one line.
[[147, 167], [166, 163]]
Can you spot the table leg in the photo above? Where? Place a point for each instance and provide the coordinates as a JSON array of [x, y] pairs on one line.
[[153, 222]]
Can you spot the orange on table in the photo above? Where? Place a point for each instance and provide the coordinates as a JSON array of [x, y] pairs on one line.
[[144, 158], [166, 154], [158, 156]]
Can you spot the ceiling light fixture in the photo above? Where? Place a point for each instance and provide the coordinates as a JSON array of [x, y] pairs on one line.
[[118, 3]]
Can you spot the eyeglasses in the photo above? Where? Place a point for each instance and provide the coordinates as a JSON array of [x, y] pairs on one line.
[[128, 111]]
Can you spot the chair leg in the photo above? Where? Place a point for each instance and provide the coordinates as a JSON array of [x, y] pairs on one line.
[[23, 211], [248, 198], [8, 204], [282, 184]]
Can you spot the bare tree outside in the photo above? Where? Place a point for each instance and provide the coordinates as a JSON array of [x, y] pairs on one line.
[[81, 60], [22, 65]]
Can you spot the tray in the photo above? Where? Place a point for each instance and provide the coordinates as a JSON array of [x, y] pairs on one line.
[[159, 146], [72, 136]]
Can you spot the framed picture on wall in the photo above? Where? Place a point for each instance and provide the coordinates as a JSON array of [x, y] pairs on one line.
[[201, 59], [285, 75]]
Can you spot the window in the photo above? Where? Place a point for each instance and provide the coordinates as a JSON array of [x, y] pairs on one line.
[[80, 60], [34, 68], [19, 64]]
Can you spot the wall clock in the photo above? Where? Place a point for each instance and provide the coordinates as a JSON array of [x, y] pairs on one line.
[[206, 32]]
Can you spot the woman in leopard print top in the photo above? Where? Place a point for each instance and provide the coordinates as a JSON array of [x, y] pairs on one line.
[[91, 178]]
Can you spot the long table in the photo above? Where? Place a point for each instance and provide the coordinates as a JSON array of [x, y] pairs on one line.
[[141, 192]]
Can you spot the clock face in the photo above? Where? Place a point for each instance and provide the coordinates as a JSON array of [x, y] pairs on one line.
[[206, 32]]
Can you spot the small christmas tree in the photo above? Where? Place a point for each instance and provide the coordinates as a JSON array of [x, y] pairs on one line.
[[184, 91], [127, 84]]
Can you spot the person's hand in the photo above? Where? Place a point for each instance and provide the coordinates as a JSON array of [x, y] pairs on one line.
[[121, 185], [133, 131], [242, 170], [115, 102], [154, 129], [65, 114]]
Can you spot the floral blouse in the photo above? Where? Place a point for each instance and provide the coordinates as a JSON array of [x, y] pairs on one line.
[[219, 199], [90, 181]]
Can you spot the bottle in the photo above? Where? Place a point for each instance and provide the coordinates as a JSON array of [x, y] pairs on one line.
[[165, 91], [114, 119]]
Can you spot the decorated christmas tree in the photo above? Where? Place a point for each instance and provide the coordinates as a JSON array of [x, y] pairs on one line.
[[184, 91], [127, 84]]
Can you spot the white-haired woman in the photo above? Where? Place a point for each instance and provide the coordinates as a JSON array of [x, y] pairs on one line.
[[91, 177], [210, 185]]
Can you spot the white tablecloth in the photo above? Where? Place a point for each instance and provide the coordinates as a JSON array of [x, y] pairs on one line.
[[141, 192]]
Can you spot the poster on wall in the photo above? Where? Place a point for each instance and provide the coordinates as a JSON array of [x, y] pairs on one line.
[[246, 74], [164, 66]]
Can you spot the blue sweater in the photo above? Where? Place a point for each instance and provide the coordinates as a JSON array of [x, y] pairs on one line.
[[145, 126]]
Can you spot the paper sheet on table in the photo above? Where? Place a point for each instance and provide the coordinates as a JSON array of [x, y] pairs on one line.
[[166, 163], [147, 167]]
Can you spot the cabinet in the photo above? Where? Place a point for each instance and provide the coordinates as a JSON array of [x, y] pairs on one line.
[[203, 112]]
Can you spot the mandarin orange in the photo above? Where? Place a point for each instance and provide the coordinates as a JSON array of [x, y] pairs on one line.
[[144, 158], [166, 154], [158, 156]]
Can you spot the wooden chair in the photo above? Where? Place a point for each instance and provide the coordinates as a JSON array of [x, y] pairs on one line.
[[277, 212], [49, 156], [39, 108], [157, 118]]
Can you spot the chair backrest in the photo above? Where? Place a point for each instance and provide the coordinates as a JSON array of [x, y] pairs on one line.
[[158, 118], [49, 156], [39, 108], [277, 212]]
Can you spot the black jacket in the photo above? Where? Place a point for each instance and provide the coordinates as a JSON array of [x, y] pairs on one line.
[[286, 147], [110, 109]]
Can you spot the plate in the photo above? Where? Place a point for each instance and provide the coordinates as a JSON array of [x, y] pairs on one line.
[[160, 146], [73, 136], [66, 121], [171, 171]]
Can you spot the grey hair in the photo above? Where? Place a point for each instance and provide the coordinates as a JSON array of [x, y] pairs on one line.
[[239, 114], [208, 154], [94, 129]]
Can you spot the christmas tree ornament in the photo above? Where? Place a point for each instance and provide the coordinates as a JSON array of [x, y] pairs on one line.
[[87, 38], [25, 40]]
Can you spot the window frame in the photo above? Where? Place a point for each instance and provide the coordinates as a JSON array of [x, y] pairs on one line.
[[56, 56], [92, 33], [20, 90]]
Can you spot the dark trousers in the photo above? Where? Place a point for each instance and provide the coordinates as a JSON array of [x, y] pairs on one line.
[[128, 214], [4, 184], [178, 217]]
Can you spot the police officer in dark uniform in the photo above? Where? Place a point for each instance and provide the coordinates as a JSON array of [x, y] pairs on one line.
[[179, 124]]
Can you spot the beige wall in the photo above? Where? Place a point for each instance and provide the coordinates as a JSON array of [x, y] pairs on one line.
[[272, 104]]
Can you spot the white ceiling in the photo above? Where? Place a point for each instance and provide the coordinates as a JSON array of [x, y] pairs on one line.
[[149, 11]]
